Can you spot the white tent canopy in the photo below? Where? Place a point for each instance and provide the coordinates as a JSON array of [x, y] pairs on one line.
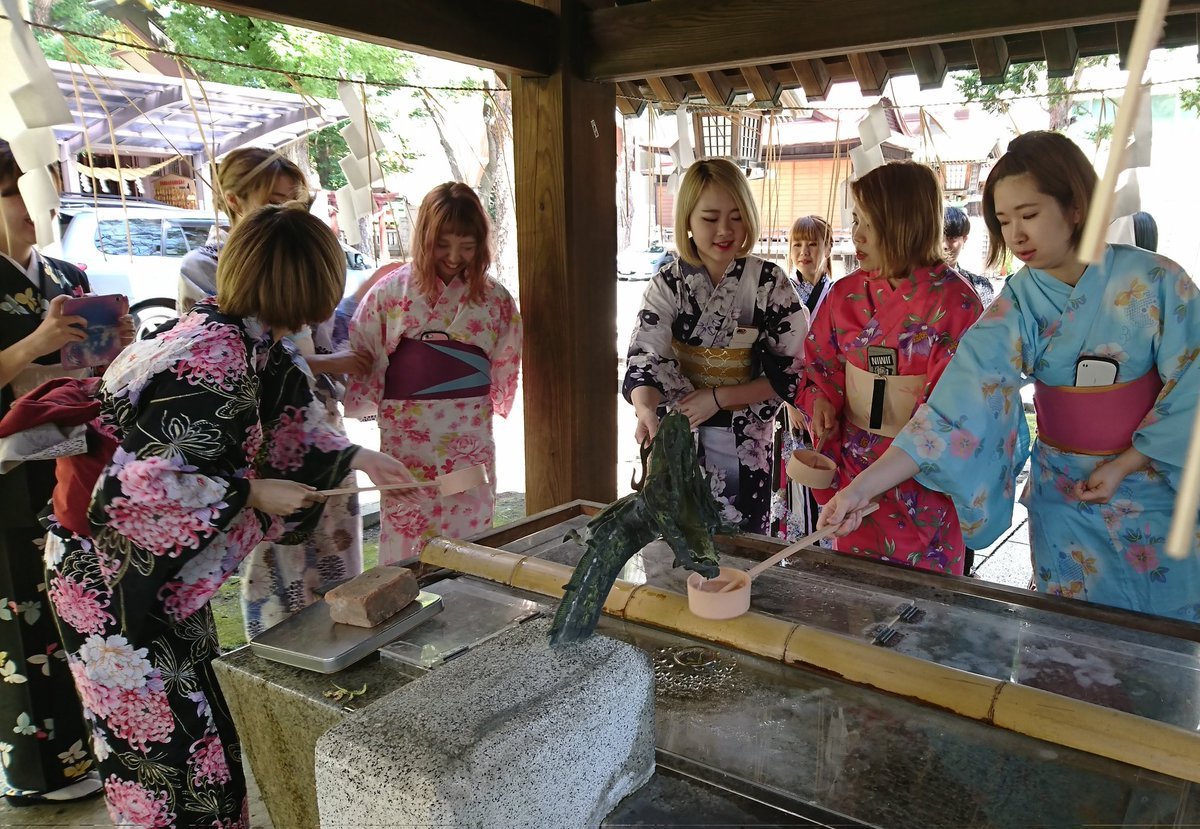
[[134, 113]]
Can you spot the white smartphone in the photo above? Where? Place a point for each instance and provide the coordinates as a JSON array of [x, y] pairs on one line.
[[1096, 371]]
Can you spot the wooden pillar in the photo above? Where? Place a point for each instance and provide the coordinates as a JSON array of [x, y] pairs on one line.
[[565, 157]]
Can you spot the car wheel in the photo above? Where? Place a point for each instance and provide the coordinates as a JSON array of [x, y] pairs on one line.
[[149, 315]]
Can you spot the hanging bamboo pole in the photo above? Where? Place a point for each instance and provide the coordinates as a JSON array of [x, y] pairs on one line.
[[1035, 713]]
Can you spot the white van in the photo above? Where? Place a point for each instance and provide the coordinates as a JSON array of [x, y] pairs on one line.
[[136, 249]]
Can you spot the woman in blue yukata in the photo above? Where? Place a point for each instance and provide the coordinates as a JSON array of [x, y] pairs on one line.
[[1111, 349]]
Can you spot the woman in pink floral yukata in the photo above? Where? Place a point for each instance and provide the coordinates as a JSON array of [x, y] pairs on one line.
[[219, 444], [444, 339], [875, 349]]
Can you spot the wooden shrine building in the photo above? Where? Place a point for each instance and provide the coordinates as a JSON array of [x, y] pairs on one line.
[[570, 63]]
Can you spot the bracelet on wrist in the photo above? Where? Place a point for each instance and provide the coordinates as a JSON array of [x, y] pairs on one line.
[[715, 399]]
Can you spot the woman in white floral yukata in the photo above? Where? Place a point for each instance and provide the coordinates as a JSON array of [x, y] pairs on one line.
[[444, 339], [721, 337], [219, 443]]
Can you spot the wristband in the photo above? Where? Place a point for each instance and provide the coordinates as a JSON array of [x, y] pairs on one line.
[[715, 400]]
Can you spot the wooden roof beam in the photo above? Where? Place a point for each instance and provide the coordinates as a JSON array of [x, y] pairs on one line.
[[870, 71], [813, 76], [1062, 52], [506, 35], [929, 65], [764, 86], [716, 87], [675, 37], [629, 99], [991, 55], [1124, 38], [668, 91]]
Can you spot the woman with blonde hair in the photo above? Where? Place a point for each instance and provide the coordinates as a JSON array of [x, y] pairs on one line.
[[280, 579], [443, 339], [720, 338], [794, 508], [876, 349], [217, 445], [810, 244]]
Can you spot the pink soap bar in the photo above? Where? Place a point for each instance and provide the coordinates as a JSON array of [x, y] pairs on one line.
[[373, 597]]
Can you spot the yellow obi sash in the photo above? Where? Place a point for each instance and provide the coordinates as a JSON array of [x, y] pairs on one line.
[[705, 366], [879, 404]]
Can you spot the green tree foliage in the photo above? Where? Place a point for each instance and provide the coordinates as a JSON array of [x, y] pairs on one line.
[[1189, 100], [1029, 79], [207, 32], [76, 16]]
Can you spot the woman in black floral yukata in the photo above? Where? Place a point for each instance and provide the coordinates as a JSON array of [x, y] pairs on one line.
[[720, 337], [219, 444]]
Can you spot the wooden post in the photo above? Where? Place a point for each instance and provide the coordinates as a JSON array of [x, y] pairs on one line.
[[565, 155]]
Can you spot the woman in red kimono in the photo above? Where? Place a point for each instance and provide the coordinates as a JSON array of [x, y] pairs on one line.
[[874, 351]]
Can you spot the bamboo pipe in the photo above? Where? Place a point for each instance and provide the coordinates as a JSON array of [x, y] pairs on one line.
[[1043, 715]]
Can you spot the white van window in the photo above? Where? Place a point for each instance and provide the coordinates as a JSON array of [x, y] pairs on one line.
[[145, 235]]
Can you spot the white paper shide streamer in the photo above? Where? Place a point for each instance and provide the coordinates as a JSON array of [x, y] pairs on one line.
[[361, 167], [30, 104]]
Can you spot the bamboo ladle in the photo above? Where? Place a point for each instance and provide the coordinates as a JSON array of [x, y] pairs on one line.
[[452, 483], [732, 598]]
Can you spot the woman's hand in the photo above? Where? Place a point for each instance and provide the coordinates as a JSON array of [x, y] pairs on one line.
[[824, 420], [384, 470], [700, 405], [843, 509], [354, 363], [56, 330], [1102, 484], [125, 330], [275, 496], [647, 424]]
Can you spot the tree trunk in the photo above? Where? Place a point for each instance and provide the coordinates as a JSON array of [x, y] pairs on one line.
[[494, 187], [439, 123]]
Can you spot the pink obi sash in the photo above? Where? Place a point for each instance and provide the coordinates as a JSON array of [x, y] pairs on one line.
[[437, 370], [1094, 420]]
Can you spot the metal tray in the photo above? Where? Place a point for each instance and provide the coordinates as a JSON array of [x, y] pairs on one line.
[[475, 613], [311, 640]]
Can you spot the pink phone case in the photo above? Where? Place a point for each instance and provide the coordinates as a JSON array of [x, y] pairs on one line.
[[103, 342]]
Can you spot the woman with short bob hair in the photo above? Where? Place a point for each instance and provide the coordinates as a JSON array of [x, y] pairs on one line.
[[728, 177], [1061, 170], [719, 337], [904, 201], [286, 269], [274, 283], [879, 342], [217, 444]]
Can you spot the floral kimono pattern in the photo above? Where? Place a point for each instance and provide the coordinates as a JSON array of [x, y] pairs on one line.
[[921, 320], [206, 405], [43, 739], [279, 579], [971, 438], [682, 304], [434, 436]]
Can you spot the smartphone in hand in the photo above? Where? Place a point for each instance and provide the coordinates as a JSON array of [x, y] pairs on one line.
[[103, 341]]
